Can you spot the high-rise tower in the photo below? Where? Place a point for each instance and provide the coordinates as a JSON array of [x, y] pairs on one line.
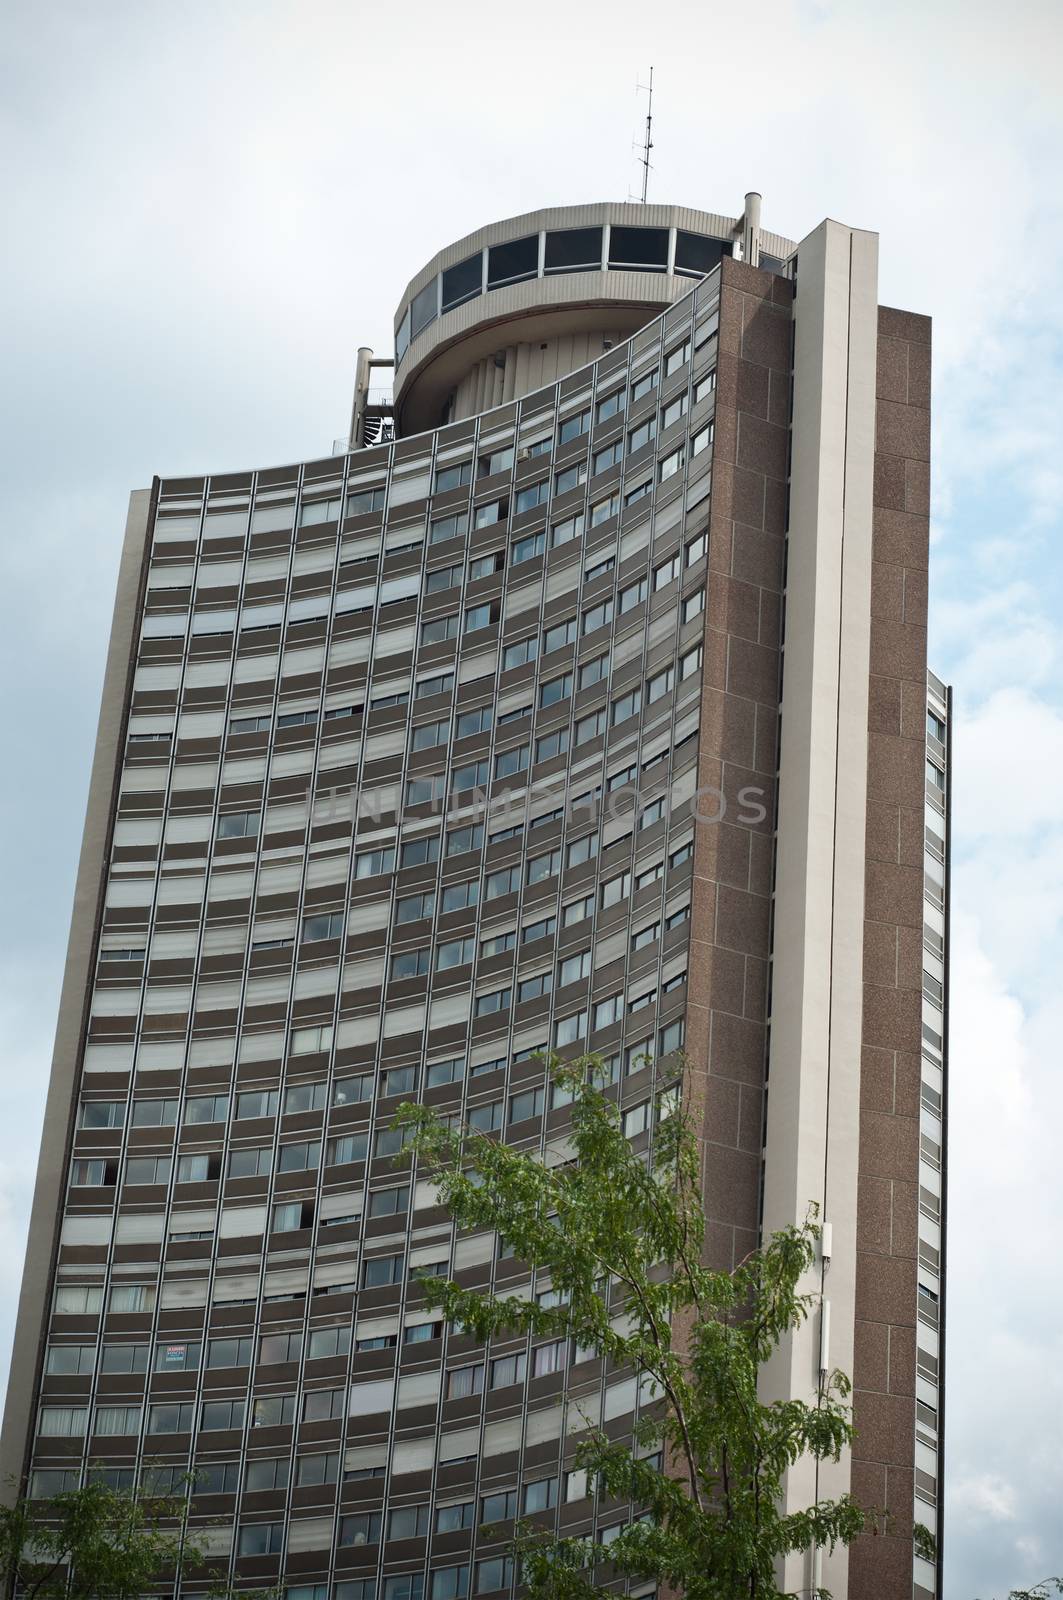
[[589, 711]]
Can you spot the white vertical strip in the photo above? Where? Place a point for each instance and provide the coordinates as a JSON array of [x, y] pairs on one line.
[[814, 1067]]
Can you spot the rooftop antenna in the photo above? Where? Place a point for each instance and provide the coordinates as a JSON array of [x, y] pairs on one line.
[[647, 143]]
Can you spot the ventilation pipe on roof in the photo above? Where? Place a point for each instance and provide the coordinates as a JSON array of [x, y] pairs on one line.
[[751, 230]]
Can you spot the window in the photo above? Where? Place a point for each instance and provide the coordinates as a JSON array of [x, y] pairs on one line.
[[444, 1072], [696, 548], [693, 605], [239, 825], [299, 1157], [540, 1495], [271, 1473], [590, 727], [93, 1174], [472, 776], [702, 439], [544, 866], [465, 1381], [78, 1299], [455, 953], [533, 988], [547, 1358], [609, 456], [273, 1411], [459, 896], [371, 863], [490, 512], [324, 1405], [660, 684], [450, 1583], [254, 1162], [234, 1352], [305, 1097], [676, 358], [570, 478], [452, 1519], [260, 1539], [532, 495], [169, 1357], [495, 461], [509, 762], [674, 410], [175, 1418], [422, 1332], [453, 477], [604, 510], [148, 1169], [704, 385], [404, 1586], [552, 744], [565, 532], [507, 881], [77, 1358], [452, 527], [573, 427], [642, 435], [644, 385], [410, 964], [348, 1148], [494, 1574], [597, 617], [478, 721], [439, 629], [362, 501], [412, 907], [389, 1202], [381, 1271], [400, 1080], [671, 464], [203, 1108], [935, 727], [582, 850], [102, 1113], [154, 1113], [408, 1522], [690, 663], [554, 690], [196, 1170], [561, 634], [497, 1000], [329, 1342], [219, 1414], [530, 1102], [626, 706], [498, 1507], [256, 1103], [527, 549], [935, 777]]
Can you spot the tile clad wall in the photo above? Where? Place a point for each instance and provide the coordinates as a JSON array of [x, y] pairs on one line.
[[730, 924], [888, 1207]]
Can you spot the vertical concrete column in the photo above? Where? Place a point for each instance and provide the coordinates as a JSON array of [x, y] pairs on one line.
[[814, 1064]]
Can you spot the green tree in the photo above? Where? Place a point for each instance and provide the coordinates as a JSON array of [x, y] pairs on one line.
[[93, 1543], [623, 1242]]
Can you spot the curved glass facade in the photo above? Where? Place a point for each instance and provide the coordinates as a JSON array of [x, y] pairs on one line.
[[406, 798]]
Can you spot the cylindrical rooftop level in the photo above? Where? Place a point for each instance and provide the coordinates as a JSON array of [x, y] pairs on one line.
[[520, 303]]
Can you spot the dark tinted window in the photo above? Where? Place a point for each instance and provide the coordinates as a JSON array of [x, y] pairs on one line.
[[463, 281], [571, 249], [695, 253], [422, 309], [518, 259], [645, 248]]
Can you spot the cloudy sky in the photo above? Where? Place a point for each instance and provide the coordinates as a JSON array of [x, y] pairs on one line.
[[209, 206]]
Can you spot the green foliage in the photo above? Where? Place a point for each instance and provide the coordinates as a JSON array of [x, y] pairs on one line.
[[1040, 1591], [623, 1242], [93, 1543]]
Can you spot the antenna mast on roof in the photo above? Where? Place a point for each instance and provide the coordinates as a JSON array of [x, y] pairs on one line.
[[647, 144]]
